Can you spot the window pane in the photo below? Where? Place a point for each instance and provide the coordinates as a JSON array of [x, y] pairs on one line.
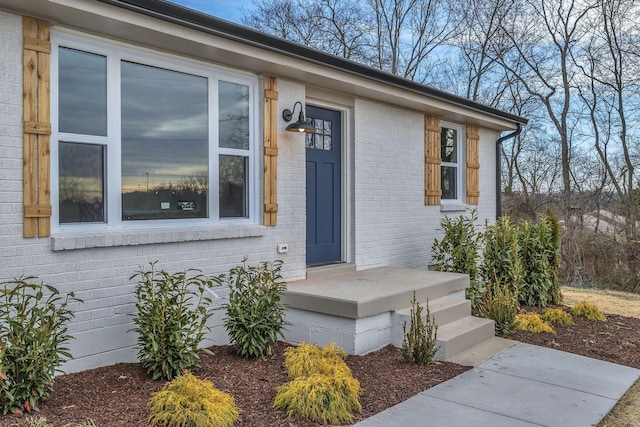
[[81, 187], [82, 84], [165, 154], [233, 103], [233, 187], [449, 182], [449, 145]]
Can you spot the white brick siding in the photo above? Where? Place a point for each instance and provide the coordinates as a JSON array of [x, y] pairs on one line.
[[389, 224], [100, 275], [393, 226]]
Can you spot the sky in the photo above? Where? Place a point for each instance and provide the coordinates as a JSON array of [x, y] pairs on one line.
[[231, 10]]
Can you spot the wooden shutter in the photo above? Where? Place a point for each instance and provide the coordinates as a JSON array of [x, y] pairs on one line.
[[473, 165], [37, 127], [270, 151], [432, 160]]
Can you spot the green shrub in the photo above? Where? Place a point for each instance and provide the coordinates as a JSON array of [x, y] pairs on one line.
[[532, 322], [556, 316], [501, 257], [458, 252], [329, 399], [419, 342], [588, 311], [499, 304], [307, 359], [188, 401], [172, 311], [254, 314], [537, 282], [33, 332], [552, 250]]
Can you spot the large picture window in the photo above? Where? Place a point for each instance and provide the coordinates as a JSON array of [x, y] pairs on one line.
[[147, 139]]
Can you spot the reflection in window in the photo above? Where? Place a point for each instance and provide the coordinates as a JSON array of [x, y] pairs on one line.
[[449, 145], [81, 184], [450, 166], [82, 86], [233, 187], [164, 144], [321, 139], [449, 178], [233, 103]]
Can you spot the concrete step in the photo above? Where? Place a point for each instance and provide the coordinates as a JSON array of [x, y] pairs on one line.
[[443, 310], [473, 356], [342, 291], [462, 334]]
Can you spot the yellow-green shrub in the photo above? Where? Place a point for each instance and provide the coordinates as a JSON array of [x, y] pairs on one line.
[[188, 402], [499, 304], [308, 359], [588, 311], [532, 322], [557, 316], [330, 399]]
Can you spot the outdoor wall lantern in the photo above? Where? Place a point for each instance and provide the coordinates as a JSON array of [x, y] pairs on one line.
[[302, 125]]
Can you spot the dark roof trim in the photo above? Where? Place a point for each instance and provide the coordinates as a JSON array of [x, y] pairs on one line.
[[219, 27]]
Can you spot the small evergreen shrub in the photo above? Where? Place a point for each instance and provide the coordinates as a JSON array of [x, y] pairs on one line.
[[188, 401], [307, 359], [557, 316], [254, 314], [532, 322], [329, 399], [33, 334], [501, 257], [172, 311], [419, 342], [552, 250], [537, 282], [459, 252], [499, 304], [588, 311]]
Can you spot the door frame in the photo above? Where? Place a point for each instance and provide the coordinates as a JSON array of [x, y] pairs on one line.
[[345, 174]]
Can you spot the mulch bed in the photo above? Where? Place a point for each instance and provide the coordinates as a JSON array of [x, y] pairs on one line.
[[117, 395]]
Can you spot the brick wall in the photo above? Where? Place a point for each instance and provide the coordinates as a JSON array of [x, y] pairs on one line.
[[393, 226], [100, 275]]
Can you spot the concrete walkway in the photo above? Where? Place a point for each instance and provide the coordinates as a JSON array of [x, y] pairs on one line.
[[525, 385]]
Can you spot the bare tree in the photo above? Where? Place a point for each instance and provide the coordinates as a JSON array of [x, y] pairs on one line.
[[544, 36], [610, 92]]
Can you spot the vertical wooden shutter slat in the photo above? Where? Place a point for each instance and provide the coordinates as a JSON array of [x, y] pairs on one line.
[[473, 165], [29, 105], [44, 116], [270, 151], [432, 161]]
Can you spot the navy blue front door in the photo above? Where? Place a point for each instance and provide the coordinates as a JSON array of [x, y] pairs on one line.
[[323, 187]]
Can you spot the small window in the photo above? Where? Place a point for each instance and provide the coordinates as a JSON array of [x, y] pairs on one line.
[[451, 169]]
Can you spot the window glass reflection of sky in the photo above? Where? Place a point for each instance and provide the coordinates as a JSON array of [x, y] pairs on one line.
[[233, 100], [164, 127], [82, 83]]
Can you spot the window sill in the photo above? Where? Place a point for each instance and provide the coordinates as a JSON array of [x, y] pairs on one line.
[[106, 239], [453, 207]]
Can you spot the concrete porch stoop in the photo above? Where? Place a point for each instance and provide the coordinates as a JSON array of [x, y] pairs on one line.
[[363, 311]]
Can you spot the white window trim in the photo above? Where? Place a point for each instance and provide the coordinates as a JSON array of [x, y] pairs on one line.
[[460, 164], [116, 52]]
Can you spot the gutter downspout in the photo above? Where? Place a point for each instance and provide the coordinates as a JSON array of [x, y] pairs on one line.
[[499, 168]]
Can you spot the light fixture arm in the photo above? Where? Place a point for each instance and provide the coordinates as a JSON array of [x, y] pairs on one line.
[[287, 114], [302, 125]]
